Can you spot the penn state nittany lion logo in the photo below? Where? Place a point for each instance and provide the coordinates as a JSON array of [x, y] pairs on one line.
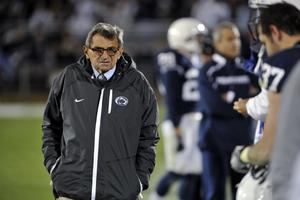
[[121, 101]]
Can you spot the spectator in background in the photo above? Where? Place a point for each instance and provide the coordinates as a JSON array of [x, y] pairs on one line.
[[84, 17], [100, 123], [221, 82], [178, 73], [211, 12]]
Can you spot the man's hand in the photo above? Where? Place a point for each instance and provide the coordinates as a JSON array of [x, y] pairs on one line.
[[180, 145], [236, 163], [240, 106], [228, 96]]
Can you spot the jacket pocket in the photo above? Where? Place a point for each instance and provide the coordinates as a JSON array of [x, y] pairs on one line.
[[122, 181]]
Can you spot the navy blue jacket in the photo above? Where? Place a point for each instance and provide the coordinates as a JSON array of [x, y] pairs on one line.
[[222, 127]]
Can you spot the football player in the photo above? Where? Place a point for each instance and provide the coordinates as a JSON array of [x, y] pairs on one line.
[[278, 28], [178, 68]]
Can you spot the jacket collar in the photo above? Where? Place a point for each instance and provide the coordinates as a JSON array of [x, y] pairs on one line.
[[123, 64]]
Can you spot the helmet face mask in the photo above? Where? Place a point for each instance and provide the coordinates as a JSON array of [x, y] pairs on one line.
[[262, 3], [253, 24]]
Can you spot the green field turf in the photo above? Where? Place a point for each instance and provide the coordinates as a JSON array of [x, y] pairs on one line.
[[22, 174]]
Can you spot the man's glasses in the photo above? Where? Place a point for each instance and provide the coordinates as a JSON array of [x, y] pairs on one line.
[[111, 51]]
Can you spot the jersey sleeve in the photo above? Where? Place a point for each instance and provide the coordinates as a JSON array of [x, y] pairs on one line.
[[257, 107]]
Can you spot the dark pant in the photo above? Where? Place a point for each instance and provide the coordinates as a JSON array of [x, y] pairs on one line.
[[189, 185], [166, 182], [216, 171]]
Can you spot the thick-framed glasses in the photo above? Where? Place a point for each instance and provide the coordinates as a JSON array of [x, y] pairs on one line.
[[111, 51]]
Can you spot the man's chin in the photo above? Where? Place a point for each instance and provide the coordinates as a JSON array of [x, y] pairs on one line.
[[104, 67]]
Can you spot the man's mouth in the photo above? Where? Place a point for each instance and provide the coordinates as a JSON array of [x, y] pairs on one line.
[[104, 62]]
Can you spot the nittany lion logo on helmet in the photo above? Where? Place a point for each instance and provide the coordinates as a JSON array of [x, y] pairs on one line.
[[121, 101]]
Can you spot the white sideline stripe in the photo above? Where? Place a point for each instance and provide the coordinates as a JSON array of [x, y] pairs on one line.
[[110, 100], [96, 146], [17, 110]]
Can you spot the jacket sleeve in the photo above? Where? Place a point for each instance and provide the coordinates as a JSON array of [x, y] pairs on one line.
[[146, 152], [211, 101], [254, 84], [52, 125]]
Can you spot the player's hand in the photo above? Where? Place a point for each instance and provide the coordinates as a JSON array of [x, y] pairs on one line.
[[240, 106], [179, 139], [236, 163], [180, 145]]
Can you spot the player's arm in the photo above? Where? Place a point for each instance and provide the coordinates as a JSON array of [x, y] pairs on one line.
[[174, 92], [240, 106], [260, 153], [256, 107], [212, 102], [273, 78]]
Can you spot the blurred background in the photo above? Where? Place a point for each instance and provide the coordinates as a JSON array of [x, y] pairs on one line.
[[39, 38]]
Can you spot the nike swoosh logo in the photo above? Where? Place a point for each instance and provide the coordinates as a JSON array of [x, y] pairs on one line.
[[78, 100]]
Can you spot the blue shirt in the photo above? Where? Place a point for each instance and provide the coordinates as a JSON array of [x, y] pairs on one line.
[[107, 74]]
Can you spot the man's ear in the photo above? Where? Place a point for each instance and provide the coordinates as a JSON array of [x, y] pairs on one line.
[[85, 51], [275, 32]]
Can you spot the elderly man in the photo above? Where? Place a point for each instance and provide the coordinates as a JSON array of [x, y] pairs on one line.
[[100, 123]]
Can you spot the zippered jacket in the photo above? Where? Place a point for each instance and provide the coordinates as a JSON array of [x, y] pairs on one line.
[[222, 128], [99, 138]]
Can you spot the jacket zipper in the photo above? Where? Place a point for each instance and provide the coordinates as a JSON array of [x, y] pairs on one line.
[[96, 145], [110, 100]]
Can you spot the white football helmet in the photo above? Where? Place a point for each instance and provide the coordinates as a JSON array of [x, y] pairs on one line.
[[265, 3], [183, 33], [250, 189]]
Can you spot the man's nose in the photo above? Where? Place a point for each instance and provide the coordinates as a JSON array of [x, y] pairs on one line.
[[105, 54]]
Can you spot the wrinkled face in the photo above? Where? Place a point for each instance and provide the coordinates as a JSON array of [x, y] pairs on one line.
[[103, 53], [229, 44], [269, 41]]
